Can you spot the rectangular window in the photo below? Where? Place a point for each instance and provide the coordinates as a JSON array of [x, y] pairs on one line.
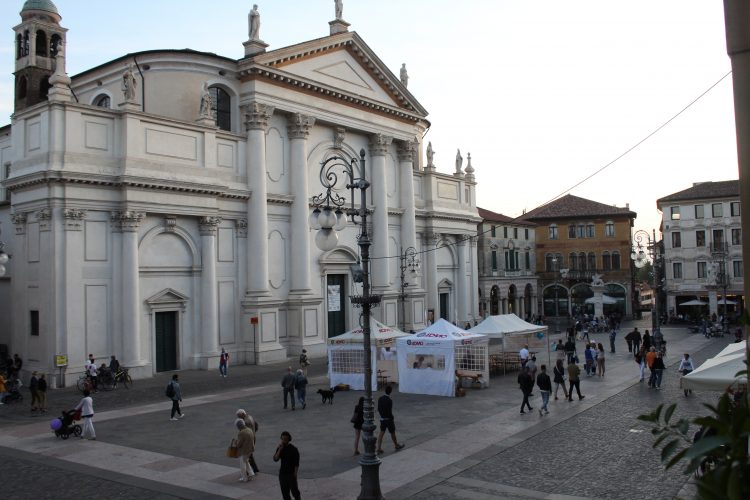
[[526, 234], [717, 210], [700, 238], [676, 239], [515, 232], [494, 260], [615, 261], [701, 269], [553, 232], [508, 264], [609, 228], [675, 213], [736, 237], [581, 231], [572, 231], [737, 267], [590, 232], [734, 207], [515, 261], [492, 231], [699, 211], [527, 259], [34, 323], [505, 232], [677, 270], [606, 261], [718, 235]]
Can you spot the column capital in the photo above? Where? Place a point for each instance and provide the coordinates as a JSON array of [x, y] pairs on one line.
[[241, 227], [406, 150], [73, 218], [379, 144], [208, 225], [299, 125], [127, 220], [19, 220], [257, 115], [44, 217]]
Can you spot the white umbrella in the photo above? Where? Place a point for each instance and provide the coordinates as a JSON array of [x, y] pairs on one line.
[[733, 348], [694, 302], [727, 302], [716, 373]]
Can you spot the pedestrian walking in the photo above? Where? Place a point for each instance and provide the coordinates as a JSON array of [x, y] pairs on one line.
[[358, 418], [545, 387], [300, 385], [630, 339], [658, 367], [647, 341], [303, 361], [93, 373], [560, 349], [589, 357], [387, 421], [34, 389], [612, 337], [636, 341], [287, 383], [558, 372], [650, 358], [174, 392], [574, 378], [41, 390], [600, 360], [251, 424], [640, 359], [245, 448], [288, 454], [526, 384], [86, 405], [223, 362], [523, 356], [570, 349], [531, 366], [686, 366]]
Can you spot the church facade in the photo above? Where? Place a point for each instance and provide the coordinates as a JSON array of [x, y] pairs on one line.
[[157, 206]]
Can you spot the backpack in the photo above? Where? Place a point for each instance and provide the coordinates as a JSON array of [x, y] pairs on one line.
[[170, 390]]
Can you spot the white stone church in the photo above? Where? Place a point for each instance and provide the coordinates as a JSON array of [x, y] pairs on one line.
[[156, 207]]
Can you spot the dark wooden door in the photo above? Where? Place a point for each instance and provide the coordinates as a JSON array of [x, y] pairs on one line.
[[444, 308], [335, 304], [166, 341]]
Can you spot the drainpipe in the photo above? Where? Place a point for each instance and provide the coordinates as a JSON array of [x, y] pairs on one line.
[[143, 85]]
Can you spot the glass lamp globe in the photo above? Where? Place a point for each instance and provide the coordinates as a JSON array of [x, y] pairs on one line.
[[315, 219], [327, 218], [2, 270], [3, 258], [326, 239], [340, 220]]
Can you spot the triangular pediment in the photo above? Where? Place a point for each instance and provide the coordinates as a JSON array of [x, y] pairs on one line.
[[342, 63], [167, 296]]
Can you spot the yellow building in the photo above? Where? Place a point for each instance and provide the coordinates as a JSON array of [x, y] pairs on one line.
[[583, 257]]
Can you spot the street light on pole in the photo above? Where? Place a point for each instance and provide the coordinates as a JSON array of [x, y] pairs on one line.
[[640, 253], [409, 261], [328, 218]]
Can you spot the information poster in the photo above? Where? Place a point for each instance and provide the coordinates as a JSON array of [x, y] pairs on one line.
[[334, 298]]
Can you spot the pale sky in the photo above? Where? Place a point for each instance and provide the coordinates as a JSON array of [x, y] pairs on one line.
[[541, 93]]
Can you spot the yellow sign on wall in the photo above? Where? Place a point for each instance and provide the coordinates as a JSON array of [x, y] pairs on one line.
[[61, 360]]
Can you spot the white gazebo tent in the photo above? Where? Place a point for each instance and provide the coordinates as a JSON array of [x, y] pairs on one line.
[[717, 373], [346, 357], [427, 360], [509, 333]]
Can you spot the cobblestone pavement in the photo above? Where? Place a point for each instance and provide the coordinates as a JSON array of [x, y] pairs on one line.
[[603, 452]]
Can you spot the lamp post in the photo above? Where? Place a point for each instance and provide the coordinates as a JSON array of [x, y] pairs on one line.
[[409, 261], [719, 252], [562, 273], [639, 257], [328, 218]]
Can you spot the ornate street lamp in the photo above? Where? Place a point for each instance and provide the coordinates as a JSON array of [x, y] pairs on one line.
[[639, 255], [409, 261], [328, 217]]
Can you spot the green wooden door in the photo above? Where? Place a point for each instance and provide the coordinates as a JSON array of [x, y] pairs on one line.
[[166, 341]]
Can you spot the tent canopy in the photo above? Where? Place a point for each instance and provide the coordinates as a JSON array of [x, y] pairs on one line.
[[694, 302], [443, 334], [380, 335], [606, 299], [734, 348], [716, 373], [505, 324]]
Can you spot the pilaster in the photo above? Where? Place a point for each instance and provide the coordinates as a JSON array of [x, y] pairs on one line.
[[379, 145], [209, 292], [299, 127], [406, 153]]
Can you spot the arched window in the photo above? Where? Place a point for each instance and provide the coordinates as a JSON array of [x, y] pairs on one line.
[[54, 42], [22, 87], [592, 261], [44, 88], [573, 259], [615, 260], [26, 43], [41, 43], [19, 46], [221, 107], [102, 101], [582, 261], [606, 261]]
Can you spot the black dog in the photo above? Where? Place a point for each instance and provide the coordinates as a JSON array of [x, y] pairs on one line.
[[326, 394]]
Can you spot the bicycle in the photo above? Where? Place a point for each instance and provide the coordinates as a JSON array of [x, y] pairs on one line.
[[122, 376], [84, 383]]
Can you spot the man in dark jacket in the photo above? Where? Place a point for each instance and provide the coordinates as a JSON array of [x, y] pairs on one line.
[[289, 456], [288, 384], [387, 422], [526, 383], [545, 387], [570, 349], [33, 388]]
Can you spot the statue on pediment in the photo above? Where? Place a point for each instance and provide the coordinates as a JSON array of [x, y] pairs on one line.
[[404, 75], [459, 161], [206, 102], [339, 9], [128, 83], [430, 154], [253, 21]]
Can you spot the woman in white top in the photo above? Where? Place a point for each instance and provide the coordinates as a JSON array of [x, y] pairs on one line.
[[600, 368], [686, 366], [86, 405]]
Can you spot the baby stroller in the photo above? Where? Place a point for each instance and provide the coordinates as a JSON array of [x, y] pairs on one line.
[[13, 395], [67, 426]]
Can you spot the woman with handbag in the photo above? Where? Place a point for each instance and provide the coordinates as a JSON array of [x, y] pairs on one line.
[[358, 418], [245, 449]]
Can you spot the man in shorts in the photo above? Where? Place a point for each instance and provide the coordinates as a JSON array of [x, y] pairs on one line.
[[385, 410]]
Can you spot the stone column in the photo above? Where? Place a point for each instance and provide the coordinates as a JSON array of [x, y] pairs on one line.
[[378, 148], [406, 151], [461, 292], [131, 310], [474, 280], [209, 288], [713, 302], [256, 122], [299, 129], [431, 275]]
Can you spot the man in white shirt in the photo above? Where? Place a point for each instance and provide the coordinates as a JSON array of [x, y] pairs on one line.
[[523, 355], [86, 405]]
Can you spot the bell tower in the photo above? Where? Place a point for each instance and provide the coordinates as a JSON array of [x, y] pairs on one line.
[[37, 39]]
